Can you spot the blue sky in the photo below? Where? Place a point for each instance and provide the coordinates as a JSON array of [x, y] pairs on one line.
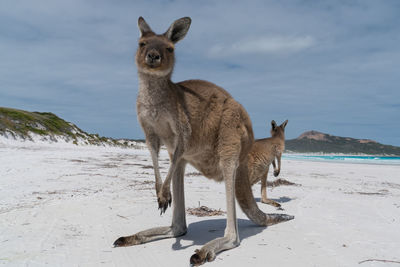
[[331, 66]]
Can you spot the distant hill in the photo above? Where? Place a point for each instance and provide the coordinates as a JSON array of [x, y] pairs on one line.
[[317, 142], [45, 126]]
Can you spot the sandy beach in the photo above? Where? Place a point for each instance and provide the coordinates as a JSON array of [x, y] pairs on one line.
[[65, 206]]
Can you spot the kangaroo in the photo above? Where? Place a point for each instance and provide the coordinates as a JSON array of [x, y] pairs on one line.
[[263, 153], [200, 124]]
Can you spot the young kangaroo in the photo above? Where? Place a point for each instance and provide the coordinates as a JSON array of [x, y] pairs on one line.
[[200, 124], [263, 153]]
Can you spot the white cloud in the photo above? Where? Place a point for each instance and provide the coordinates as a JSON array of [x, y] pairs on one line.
[[264, 45]]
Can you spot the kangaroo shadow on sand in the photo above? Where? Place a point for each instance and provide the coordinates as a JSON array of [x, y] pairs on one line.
[[203, 231]]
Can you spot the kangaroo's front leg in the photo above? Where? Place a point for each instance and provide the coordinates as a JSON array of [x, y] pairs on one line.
[[178, 226], [164, 195], [153, 144], [277, 170], [231, 237], [274, 165]]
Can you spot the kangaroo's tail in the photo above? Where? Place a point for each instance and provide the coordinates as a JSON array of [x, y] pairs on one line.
[[245, 198]]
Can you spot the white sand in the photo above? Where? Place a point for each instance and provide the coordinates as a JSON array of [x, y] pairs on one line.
[[65, 206]]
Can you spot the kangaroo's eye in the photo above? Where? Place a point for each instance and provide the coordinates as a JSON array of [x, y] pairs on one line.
[[141, 44], [170, 49]]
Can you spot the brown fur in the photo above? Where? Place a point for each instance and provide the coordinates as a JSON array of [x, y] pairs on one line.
[[263, 153], [201, 124]]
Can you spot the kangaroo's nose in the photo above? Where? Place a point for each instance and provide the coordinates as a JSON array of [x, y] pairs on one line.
[[153, 57]]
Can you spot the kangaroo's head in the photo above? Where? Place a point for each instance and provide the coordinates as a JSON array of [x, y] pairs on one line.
[[278, 130], [155, 53]]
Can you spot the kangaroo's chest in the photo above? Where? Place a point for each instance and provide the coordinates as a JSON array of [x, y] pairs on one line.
[[159, 113], [153, 104], [151, 113], [156, 119]]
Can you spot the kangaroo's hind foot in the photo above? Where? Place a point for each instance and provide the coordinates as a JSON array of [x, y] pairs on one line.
[[271, 202]]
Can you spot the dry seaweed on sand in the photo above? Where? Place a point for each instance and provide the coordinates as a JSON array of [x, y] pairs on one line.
[[203, 211], [279, 182]]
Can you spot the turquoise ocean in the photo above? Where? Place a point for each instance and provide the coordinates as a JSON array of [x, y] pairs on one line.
[[345, 159]]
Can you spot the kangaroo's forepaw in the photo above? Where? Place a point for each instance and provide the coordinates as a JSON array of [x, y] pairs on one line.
[[164, 200], [200, 257], [276, 173], [125, 241]]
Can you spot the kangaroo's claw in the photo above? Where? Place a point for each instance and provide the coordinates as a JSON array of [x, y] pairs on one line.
[[164, 201], [125, 241], [200, 257]]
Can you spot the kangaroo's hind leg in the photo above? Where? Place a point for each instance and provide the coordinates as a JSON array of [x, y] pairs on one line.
[[264, 198], [231, 237]]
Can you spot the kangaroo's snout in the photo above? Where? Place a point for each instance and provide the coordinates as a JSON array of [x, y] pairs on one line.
[[153, 58]]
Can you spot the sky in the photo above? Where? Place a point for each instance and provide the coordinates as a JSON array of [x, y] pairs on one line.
[[330, 66]]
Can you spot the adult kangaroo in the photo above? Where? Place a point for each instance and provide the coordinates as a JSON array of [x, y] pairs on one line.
[[200, 124]]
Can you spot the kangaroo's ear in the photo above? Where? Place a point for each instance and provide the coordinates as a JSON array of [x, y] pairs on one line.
[[273, 124], [178, 29], [143, 26], [283, 125]]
